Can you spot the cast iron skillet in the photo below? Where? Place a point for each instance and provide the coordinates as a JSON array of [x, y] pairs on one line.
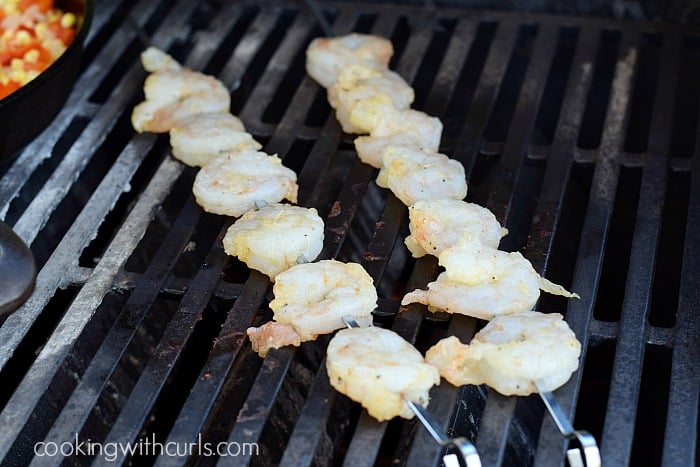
[[26, 112]]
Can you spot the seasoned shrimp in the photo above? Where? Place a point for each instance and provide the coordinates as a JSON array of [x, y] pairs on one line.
[[437, 224], [511, 353], [200, 138], [357, 83], [315, 297], [414, 175], [232, 183], [388, 126], [275, 237], [483, 283], [172, 96], [379, 369], [154, 60], [327, 57]]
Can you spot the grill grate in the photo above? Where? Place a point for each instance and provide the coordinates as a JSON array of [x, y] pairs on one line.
[[578, 133]]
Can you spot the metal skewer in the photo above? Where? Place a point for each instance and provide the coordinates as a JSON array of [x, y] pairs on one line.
[[589, 447], [470, 456]]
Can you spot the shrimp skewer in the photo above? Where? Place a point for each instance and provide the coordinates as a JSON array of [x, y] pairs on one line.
[[520, 354]]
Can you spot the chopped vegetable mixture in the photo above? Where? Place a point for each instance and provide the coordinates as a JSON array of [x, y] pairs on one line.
[[33, 34]]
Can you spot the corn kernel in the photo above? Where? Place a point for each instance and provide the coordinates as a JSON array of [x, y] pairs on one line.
[[17, 64], [23, 37], [40, 30], [31, 56], [68, 20]]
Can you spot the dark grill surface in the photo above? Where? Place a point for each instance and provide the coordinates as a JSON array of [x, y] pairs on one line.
[[580, 134]]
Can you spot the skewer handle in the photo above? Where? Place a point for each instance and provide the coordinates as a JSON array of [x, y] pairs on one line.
[[466, 448], [588, 454]]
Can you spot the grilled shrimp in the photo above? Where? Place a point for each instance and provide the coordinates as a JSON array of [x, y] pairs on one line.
[[511, 353], [437, 224], [315, 297], [483, 283], [174, 95], [388, 126], [275, 237], [327, 57], [233, 182], [379, 369], [357, 83], [200, 138], [414, 175], [155, 60]]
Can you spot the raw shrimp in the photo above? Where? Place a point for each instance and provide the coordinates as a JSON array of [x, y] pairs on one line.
[[437, 224], [232, 183], [379, 369], [483, 283], [200, 138], [275, 237], [327, 57], [175, 95], [357, 83], [511, 353], [388, 126], [414, 175], [313, 299]]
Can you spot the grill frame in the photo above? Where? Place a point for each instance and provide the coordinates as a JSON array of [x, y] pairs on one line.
[[505, 429]]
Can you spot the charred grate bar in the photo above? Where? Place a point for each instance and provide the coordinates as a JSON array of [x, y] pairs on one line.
[[579, 133]]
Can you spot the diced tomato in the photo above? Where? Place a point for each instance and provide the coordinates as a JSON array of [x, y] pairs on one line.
[[9, 88], [65, 34]]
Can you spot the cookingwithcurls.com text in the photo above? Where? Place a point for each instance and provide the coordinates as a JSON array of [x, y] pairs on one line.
[[111, 451]]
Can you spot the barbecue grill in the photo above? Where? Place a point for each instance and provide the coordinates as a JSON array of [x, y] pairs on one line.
[[578, 132]]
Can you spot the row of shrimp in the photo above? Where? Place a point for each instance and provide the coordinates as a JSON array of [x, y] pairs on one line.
[[276, 238], [519, 351]]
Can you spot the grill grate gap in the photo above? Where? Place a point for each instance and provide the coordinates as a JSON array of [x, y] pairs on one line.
[[82, 189], [232, 38], [399, 38], [595, 386], [102, 35], [613, 277], [176, 389], [142, 255], [643, 92], [151, 26], [481, 172], [651, 408], [555, 87], [669, 259], [468, 79], [130, 55], [597, 102], [423, 81], [297, 154], [192, 258], [60, 388], [132, 362], [42, 173], [294, 75], [687, 102], [23, 357], [92, 254], [567, 236], [255, 69], [502, 113], [523, 205]]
